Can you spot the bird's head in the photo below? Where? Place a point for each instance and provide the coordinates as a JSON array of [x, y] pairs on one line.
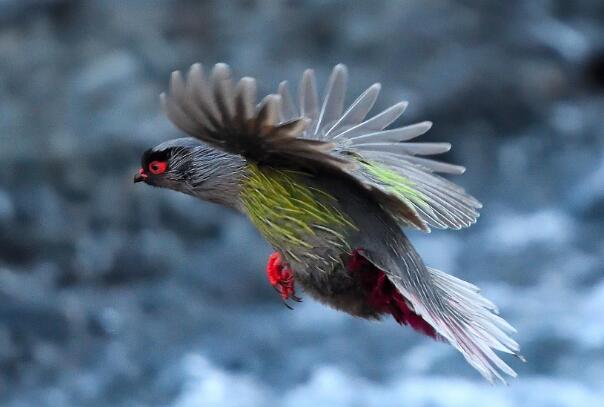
[[194, 168], [169, 164]]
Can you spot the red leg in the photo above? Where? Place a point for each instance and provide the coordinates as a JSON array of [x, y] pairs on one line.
[[281, 277]]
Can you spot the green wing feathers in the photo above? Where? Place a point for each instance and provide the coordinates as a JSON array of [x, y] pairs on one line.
[[402, 187], [388, 164], [404, 190], [436, 201]]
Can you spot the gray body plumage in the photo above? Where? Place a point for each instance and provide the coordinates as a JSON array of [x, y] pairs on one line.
[[326, 277], [374, 177]]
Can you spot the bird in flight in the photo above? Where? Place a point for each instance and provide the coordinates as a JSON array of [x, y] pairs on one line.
[[331, 189]]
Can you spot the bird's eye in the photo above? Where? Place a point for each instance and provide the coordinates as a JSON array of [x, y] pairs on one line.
[[157, 167]]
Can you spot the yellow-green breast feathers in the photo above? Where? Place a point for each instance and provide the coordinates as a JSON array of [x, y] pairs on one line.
[[289, 213]]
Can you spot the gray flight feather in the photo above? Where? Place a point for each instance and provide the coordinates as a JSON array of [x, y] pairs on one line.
[[373, 124], [333, 100], [353, 133], [357, 112], [393, 135], [225, 116]]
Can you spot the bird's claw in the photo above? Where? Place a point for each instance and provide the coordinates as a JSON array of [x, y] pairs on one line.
[[281, 278]]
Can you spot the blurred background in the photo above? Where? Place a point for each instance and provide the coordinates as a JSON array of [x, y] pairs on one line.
[[115, 294]]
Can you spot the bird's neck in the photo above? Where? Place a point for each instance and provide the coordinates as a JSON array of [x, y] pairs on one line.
[[221, 184]]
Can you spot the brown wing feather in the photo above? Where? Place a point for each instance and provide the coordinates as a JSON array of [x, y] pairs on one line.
[[226, 116]]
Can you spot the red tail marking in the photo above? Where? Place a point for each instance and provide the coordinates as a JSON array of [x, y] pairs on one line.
[[383, 296]]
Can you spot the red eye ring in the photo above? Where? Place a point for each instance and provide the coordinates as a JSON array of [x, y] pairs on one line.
[[158, 167]]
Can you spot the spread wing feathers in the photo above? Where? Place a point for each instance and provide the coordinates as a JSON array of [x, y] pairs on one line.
[[225, 115], [438, 202], [456, 310], [323, 134], [389, 162]]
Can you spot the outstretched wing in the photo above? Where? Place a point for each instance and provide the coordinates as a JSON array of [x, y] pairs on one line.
[[324, 136], [225, 115], [387, 160]]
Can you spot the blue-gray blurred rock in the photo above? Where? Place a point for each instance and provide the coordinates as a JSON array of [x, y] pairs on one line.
[[113, 294]]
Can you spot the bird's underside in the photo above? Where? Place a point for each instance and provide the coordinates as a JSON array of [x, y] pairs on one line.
[[337, 273], [355, 286], [331, 189], [324, 247]]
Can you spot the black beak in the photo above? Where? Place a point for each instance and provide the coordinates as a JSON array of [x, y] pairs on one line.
[[140, 176]]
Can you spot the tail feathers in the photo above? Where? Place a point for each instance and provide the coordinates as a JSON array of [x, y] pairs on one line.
[[470, 323], [441, 306], [383, 296]]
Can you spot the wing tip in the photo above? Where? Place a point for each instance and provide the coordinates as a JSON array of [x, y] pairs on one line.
[[222, 66], [221, 71], [400, 107], [247, 80], [308, 73], [195, 75], [175, 74], [426, 125], [340, 67]]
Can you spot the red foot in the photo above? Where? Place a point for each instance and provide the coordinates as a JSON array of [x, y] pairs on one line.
[[281, 277]]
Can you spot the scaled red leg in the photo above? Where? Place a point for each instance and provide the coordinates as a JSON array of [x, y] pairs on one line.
[[281, 277]]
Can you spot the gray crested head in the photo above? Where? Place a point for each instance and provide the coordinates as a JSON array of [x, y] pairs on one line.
[[187, 165]]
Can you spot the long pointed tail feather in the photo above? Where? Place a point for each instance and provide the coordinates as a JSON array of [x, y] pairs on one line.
[[454, 308], [471, 323]]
